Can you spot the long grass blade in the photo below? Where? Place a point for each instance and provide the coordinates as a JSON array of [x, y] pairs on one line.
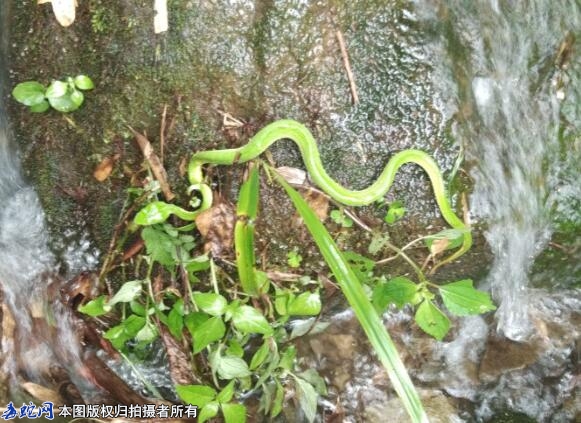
[[364, 311], [246, 212]]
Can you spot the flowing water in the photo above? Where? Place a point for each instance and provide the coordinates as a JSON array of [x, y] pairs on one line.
[[494, 76]]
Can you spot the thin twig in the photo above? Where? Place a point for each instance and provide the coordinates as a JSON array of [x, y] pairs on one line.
[[162, 133], [347, 65]]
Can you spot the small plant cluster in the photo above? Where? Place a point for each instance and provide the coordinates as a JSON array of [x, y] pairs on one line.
[[64, 96], [237, 328]]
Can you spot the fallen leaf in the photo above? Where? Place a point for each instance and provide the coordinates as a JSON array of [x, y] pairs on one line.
[[42, 393], [104, 169], [318, 202], [217, 227], [439, 245], [180, 368], [64, 10], [293, 175]]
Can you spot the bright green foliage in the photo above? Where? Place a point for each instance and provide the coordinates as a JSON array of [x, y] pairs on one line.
[[462, 299], [294, 259], [394, 213], [432, 320], [64, 96], [340, 218], [399, 291]]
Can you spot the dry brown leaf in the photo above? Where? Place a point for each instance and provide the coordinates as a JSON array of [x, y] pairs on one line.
[[42, 393], [64, 10], [292, 175], [104, 169], [318, 202], [180, 368], [155, 164], [217, 227], [439, 245]]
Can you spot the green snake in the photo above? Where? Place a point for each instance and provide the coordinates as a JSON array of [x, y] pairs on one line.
[[295, 131]]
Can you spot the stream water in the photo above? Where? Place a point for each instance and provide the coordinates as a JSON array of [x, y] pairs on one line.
[[500, 79]]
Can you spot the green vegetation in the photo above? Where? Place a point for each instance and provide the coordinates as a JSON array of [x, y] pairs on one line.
[[64, 96], [237, 328]]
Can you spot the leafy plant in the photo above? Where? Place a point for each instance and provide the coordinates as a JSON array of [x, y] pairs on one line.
[[340, 218], [294, 259], [64, 96]]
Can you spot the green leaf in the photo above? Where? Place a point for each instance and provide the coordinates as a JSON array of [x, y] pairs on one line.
[[339, 217], [63, 104], [260, 355], [311, 376], [353, 290], [361, 265], [399, 291], [462, 299], [247, 320], [227, 393], [278, 400], [235, 349], [175, 323], [213, 304], [159, 245], [29, 93], [133, 324], [378, 242], [147, 334], [287, 360], [56, 89], [281, 301], [194, 320], [210, 331], [432, 320], [234, 413], [294, 259], [395, 212], [307, 398], [455, 238], [209, 411], [199, 395], [77, 97], [128, 292], [41, 107], [229, 367], [94, 307], [306, 304], [83, 82]]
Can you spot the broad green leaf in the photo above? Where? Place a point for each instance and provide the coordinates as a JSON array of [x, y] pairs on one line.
[[83, 82], [41, 107], [462, 299], [77, 97], [278, 400], [399, 291], [395, 212], [211, 303], [210, 410], [128, 292], [311, 376], [260, 355], [133, 324], [247, 320], [56, 89], [306, 304], [194, 320], [432, 320], [199, 395], [287, 358], [175, 323], [307, 398], [210, 331], [234, 413], [63, 104], [362, 266], [94, 307], [159, 245], [230, 367], [235, 349], [148, 333], [281, 301], [357, 298], [29, 93], [227, 393]]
